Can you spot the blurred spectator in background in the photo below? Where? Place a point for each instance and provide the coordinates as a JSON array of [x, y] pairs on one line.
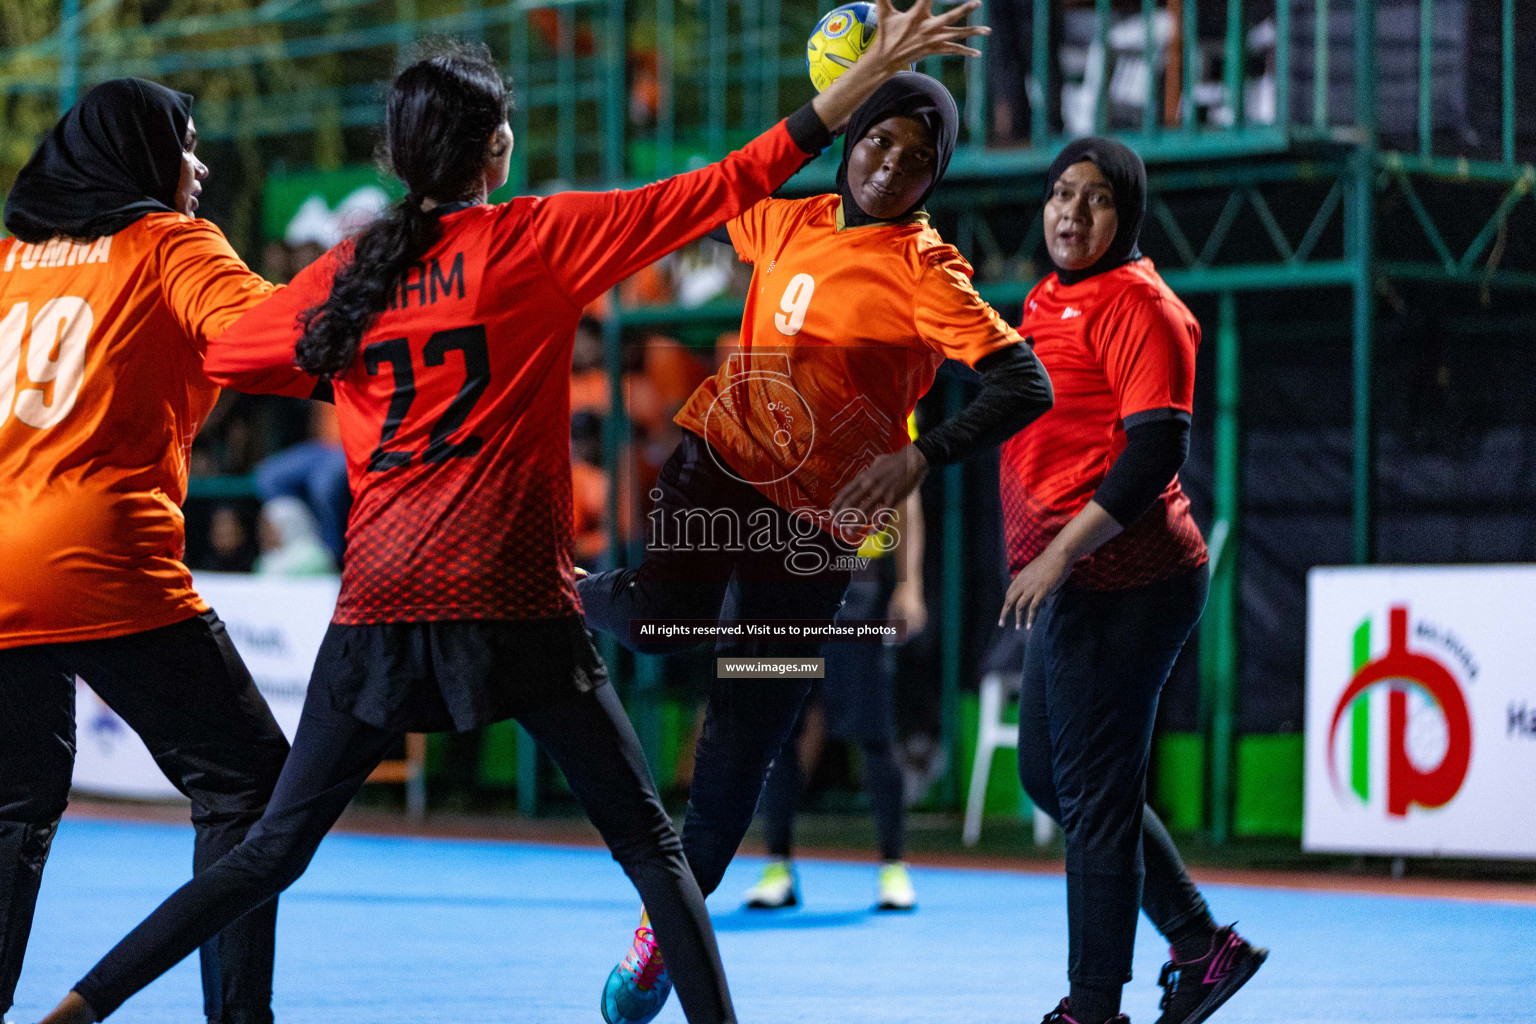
[[589, 491], [673, 371], [314, 471], [589, 379], [277, 262], [231, 547], [304, 254], [1010, 51], [290, 541]]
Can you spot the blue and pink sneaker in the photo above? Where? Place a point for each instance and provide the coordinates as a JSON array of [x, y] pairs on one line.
[[638, 987], [1193, 990]]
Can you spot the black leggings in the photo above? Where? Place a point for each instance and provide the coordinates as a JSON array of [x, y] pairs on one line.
[[1093, 667], [858, 698], [587, 736], [185, 691], [882, 781], [746, 721]]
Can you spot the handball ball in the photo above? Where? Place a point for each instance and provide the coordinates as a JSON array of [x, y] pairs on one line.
[[840, 38]]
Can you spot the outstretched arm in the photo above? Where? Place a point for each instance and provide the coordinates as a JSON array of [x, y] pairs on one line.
[[208, 288], [592, 240], [255, 354]]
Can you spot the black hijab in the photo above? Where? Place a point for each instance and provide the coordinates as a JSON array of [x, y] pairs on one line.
[[1127, 177], [112, 158], [908, 94]]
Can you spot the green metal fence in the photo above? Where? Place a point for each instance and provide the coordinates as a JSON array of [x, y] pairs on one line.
[[616, 91]]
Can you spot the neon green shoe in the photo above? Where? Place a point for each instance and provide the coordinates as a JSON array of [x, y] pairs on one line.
[[896, 892], [775, 888]]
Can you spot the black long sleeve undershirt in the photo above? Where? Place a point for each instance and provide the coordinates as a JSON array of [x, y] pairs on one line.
[[1015, 391], [1156, 444]]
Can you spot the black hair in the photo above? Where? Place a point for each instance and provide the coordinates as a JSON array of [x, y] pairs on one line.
[[439, 119]]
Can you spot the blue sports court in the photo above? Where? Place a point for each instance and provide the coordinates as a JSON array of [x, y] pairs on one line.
[[401, 930]]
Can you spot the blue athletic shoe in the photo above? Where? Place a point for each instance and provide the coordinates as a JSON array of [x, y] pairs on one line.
[[638, 987]]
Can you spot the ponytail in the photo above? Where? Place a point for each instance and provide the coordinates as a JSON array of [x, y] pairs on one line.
[[439, 120], [362, 288]]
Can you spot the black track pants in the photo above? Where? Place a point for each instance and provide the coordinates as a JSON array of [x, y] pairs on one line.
[[1094, 665], [184, 690], [587, 736], [703, 565]]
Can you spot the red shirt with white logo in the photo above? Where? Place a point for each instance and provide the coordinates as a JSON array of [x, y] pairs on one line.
[[1117, 345]]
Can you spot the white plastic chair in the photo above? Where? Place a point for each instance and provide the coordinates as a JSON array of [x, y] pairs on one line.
[[994, 734]]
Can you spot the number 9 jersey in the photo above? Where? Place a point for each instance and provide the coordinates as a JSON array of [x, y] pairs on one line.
[[101, 393]]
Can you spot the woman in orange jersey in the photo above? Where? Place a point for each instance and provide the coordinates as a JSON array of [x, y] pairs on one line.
[[447, 328], [108, 295], [1111, 578], [798, 448]]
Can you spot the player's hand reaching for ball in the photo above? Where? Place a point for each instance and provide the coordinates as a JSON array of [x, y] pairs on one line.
[[902, 38]]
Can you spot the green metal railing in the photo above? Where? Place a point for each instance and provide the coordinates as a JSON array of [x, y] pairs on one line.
[[617, 91]]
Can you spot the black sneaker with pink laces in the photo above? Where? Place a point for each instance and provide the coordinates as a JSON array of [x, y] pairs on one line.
[[1194, 989], [1063, 1015]]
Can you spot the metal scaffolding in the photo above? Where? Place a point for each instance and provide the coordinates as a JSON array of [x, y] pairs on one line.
[[617, 91]]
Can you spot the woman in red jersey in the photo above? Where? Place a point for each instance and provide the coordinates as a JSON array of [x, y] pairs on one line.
[[109, 293], [1111, 580], [446, 329], [798, 448]]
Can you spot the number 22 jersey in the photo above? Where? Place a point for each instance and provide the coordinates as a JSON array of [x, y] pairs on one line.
[[455, 415]]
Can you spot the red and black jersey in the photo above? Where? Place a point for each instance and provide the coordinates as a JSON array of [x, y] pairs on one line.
[[455, 415], [1117, 345]]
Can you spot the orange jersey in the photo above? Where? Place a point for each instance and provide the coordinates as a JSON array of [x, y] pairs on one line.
[[843, 331], [101, 394]]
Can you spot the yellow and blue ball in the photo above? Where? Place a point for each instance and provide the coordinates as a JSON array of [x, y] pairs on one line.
[[840, 38]]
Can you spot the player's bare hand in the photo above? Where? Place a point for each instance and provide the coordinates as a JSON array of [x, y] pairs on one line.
[[904, 37], [883, 484], [1035, 582], [907, 605]]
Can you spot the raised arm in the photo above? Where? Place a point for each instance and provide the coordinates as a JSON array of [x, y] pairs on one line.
[[592, 240]]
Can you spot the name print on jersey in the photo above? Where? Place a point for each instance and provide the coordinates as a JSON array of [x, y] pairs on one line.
[[58, 252], [424, 279]]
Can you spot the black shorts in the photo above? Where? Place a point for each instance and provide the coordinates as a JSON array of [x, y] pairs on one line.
[[455, 675]]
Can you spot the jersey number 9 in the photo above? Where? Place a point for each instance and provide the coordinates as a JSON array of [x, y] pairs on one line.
[[55, 356], [796, 300]]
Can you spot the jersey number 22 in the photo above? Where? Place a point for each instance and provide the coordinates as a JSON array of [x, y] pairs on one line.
[[477, 377]]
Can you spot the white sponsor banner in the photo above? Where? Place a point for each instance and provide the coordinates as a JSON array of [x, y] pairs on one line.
[[276, 624], [1421, 710]]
